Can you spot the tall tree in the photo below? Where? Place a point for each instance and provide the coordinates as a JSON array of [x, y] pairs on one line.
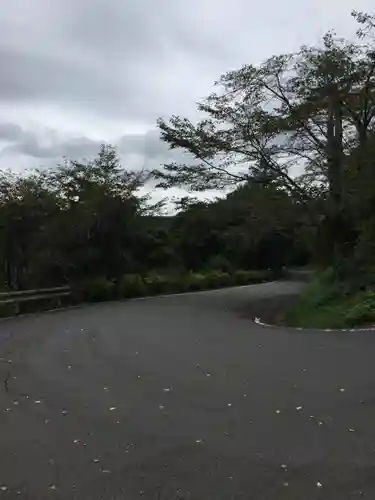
[[292, 121], [100, 208]]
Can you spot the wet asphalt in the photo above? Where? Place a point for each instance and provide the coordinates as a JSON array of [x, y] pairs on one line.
[[184, 397]]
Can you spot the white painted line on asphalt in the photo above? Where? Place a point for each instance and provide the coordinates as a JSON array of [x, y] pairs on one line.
[[259, 322], [197, 292]]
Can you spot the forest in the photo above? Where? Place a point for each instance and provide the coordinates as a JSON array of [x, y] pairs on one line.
[[87, 222], [289, 141]]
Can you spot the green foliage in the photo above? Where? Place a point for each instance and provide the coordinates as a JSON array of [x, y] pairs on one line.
[[218, 279], [135, 285], [131, 285], [162, 283], [83, 221], [69, 224], [321, 120], [97, 290], [155, 284], [219, 262], [362, 312], [329, 303], [241, 277], [195, 281], [8, 309], [248, 277], [323, 289]]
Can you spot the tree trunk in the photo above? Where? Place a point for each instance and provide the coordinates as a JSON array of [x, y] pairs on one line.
[[335, 158]]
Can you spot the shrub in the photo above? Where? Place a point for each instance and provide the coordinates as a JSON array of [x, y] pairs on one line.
[[8, 309], [167, 283], [321, 292], [131, 285], [260, 276], [183, 283], [220, 263], [98, 289], [249, 277], [218, 279], [328, 302], [240, 277], [196, 281], [362, 312], [154, 283]]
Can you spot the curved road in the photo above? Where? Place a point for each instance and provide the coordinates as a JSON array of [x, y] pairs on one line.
[[184, 397]]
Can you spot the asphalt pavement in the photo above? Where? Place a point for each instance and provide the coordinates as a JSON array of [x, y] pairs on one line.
[[184, 397]]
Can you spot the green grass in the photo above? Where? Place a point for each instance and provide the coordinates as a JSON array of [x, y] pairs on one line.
[[329, 304]]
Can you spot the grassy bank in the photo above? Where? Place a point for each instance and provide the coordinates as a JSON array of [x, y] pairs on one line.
[[328, 303]]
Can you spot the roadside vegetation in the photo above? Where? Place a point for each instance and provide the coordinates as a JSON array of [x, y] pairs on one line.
[[290, 143], [330, 302], [135, 285], [300, 124], [86, 225]]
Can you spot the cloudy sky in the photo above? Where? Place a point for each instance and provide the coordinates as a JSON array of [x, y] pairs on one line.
[[75, 73]]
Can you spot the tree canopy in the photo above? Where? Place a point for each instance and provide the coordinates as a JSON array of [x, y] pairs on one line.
[[302, 122], [83, 220]]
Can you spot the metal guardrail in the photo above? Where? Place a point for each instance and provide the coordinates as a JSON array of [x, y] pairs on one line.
[[15, 299]]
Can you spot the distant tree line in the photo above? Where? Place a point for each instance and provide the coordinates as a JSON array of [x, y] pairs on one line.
[[86, 220]]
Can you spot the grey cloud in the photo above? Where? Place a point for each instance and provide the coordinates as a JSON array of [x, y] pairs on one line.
[[136, 150], [94, 56], [148, 144], [31, 77], [10, 132], [27, 143], [119, 59], [128, 62]]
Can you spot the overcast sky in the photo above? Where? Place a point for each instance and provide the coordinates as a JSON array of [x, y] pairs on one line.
[[75, 73]]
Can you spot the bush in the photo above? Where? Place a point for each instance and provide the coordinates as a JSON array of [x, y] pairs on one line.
[[218, 279], [329, 302], [323, 290], [196, 281], [248, 277], [131, 285], [219, 263], [8, 309], [362, 312], [153, 283], [241, 277], [180, 283], [162, 284], [97, 289]]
